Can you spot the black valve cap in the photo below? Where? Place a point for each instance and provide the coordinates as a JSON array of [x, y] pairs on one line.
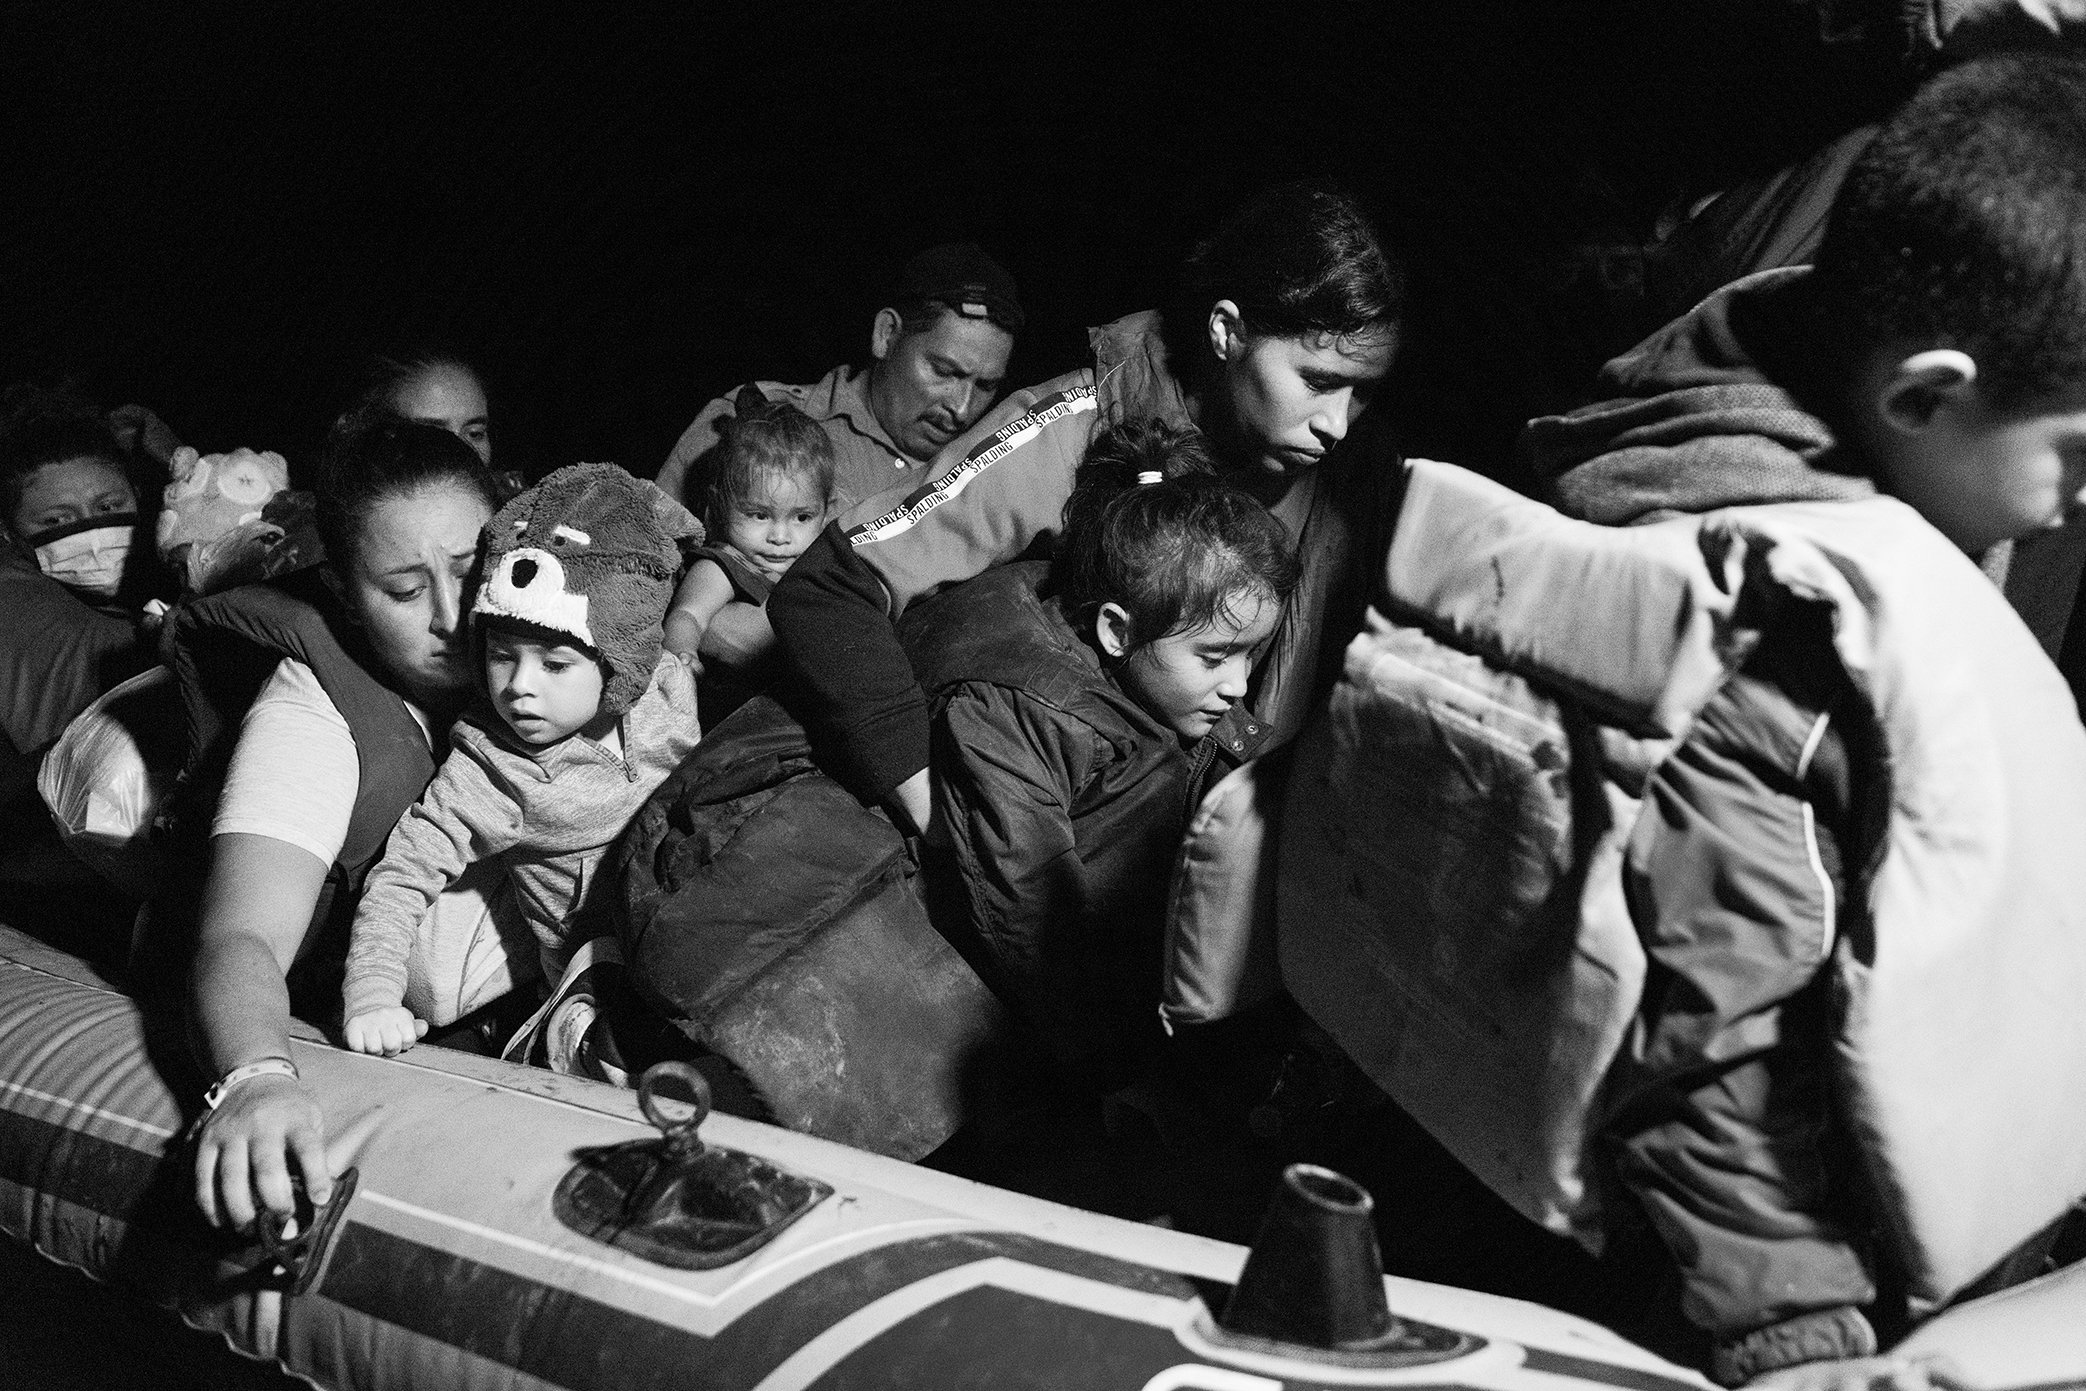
[[1315, 1275]]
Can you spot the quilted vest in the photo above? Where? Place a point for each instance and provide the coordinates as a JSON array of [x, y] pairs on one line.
[[221, 649]]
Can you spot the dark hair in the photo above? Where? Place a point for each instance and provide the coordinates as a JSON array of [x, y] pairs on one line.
[[1173, 551], [383, 373], [385, 458], [42, 425], [1299, 259], [760, 440], [1964, 224]]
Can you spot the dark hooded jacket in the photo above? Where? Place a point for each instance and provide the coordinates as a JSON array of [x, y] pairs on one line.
[[1063, 804]]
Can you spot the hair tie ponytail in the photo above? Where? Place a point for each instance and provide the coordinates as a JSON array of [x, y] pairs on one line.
[[1171, 556]]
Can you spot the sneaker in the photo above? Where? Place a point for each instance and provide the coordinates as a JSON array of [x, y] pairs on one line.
[[565, 1034]]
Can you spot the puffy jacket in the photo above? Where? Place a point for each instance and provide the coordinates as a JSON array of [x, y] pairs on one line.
[[1064, 803]]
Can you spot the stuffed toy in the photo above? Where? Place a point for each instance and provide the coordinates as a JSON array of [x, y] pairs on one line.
[[231, 519], [591, 553]]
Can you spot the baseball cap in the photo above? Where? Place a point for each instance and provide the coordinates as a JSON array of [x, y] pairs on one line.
[[962, 276]]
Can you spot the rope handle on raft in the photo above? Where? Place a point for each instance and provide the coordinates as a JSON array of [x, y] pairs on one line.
[[298, 1254]]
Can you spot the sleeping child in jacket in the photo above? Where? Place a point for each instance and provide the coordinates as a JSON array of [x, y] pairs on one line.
[[585, 714], [1080, 708]]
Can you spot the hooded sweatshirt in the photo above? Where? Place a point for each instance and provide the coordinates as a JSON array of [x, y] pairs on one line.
[[550, 814], [1720, 409], [1692, 419]]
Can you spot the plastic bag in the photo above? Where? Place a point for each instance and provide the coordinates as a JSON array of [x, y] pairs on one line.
[[104, 778]]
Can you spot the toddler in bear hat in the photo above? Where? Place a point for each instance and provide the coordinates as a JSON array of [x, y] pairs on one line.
[[584, 716]]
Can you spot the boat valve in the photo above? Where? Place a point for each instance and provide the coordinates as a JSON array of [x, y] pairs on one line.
[[1315, 1275]]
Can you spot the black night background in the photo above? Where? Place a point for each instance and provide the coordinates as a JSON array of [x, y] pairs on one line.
[[217, 212]]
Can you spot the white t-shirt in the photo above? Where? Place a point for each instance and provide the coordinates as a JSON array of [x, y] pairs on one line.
[[294, 777], [294, 774]]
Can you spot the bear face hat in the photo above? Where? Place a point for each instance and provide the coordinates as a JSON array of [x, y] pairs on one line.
[[592, 553]]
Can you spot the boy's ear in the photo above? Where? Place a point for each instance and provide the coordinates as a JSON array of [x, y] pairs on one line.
[[1112, 629], [1227, 330], [1923, 384], [884, 332]]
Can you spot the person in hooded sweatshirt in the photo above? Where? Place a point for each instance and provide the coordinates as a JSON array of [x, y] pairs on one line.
[[1935, 353]]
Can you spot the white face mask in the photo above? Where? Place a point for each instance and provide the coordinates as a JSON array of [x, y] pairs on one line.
[[87, 555]]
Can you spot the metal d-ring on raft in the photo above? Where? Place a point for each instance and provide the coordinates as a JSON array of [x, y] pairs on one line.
[[674, 1200]]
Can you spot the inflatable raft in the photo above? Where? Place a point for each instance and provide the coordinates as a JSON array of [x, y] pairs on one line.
[[448, 1266]]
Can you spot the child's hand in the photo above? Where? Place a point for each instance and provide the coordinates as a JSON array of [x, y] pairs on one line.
[[689, 660], [388, 1031]]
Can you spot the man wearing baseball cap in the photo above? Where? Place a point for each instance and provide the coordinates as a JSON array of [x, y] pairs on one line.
[[938, 350]]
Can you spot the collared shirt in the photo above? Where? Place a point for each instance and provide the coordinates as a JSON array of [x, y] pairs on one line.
[[866, 461]]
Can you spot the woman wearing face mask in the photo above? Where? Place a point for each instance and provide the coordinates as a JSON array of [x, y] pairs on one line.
[[1284, 323], [68, 520]]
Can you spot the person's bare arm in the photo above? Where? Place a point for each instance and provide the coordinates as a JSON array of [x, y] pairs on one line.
[[257, 905], [704, 591], [739, 635]]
